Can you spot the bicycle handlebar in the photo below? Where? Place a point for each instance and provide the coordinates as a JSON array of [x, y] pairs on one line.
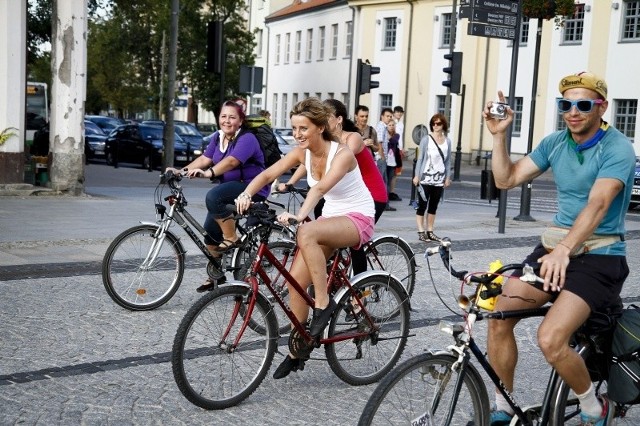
[[289, 188], [528, 274]]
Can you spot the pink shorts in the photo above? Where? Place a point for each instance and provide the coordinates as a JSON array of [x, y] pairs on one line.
[[364, 225]]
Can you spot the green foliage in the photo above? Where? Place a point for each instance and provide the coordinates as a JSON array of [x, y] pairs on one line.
[[547, 9], [124, 50]]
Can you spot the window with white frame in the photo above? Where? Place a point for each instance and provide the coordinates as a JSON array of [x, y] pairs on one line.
[[345, 99], [298, 51], [287, 48], [390, 31], [524, 31], [334, 41], [517, 115], [386, 101], [445, 30], [631, 20], [319, 95], [625, 115], [294, 99], [441, 101], [285, 109], [259, 34], [348, 46], [573, 27], [277, 62], [309, 44], [330, 95], [321, 43], [274, 107], [305, 95]]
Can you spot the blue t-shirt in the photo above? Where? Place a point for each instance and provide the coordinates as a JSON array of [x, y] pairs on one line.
[[246, 149], [613, 157]]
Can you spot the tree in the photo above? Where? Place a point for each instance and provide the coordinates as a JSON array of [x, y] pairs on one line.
[[240, 45], [547, 9]]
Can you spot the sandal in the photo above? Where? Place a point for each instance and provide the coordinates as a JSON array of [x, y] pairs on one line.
[[208, 285], [422, 236], [228, 245]]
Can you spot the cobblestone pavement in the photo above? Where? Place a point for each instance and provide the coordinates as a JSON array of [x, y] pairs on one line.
[[69, 355]]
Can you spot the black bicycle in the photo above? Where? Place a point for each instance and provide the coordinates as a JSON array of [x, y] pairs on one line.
[[143, 267], [444, 388]]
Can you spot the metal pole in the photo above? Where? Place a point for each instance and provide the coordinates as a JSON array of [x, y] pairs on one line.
[[502, 204], [169, 131], [456, 169], [525, 195]]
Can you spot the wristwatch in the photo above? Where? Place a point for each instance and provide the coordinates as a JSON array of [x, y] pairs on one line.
[[213, 173]]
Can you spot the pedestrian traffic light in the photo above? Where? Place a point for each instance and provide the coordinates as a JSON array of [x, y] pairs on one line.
[[455, 72], [365, 71]]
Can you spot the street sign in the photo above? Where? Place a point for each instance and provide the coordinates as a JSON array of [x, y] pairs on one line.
[[509, 6], [490, 17], [181, 103], [493, 31]]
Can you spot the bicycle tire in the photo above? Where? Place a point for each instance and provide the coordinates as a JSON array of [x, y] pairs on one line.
[[243, 256], [403, 396], [128, 282], [284, 251], [392, 254], [209, 373], [565, 407], [365, 361]]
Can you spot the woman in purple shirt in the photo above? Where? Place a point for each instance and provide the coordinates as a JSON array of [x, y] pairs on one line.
[[233, 157]]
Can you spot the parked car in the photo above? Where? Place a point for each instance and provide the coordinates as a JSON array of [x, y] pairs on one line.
[[284, 145], [188, 132], [107, 124], [143, 144], [94, 141], [635, 192], [287, 134], [206, 128]]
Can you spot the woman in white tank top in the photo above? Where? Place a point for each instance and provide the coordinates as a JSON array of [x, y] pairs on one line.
[[347, 220]]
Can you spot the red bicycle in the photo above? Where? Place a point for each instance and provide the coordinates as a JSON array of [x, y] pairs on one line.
[[226, 342]]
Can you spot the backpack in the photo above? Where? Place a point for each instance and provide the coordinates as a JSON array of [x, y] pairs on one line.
[[259, 126], [624, 371]]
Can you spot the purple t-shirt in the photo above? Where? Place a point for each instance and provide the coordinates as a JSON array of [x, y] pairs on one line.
[[245, 149]]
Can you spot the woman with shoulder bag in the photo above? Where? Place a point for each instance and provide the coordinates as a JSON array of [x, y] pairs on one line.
[[432, 175], [233, 157]]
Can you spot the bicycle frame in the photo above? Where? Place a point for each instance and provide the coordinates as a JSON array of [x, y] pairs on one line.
[[337, 278]]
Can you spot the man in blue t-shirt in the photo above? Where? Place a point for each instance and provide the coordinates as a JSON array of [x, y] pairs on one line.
[[583, 256]]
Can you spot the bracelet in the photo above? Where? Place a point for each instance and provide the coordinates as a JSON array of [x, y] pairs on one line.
[[244, 195], [213, 173], [562, 244]]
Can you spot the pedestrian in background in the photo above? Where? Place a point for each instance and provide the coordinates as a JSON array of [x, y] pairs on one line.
[[368, 133], [398, 113], [386, 116], [432, 175]]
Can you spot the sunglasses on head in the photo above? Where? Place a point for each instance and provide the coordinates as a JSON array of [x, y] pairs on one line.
[[583, 105]]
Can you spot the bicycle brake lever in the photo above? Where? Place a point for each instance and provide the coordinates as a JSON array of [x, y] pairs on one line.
[[529, 276]]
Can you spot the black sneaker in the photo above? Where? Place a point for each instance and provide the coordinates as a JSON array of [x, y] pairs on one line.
[[287, 366], [394, 197], [321, 318]]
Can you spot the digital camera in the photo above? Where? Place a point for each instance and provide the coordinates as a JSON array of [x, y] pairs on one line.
[[498, 110]]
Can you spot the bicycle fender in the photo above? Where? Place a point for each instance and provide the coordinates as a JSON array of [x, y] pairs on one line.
[[170, 234], [246, 286], [341, 292], [397, 237]]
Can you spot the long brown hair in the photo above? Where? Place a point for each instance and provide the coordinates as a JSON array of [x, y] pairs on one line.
[[317, 112]]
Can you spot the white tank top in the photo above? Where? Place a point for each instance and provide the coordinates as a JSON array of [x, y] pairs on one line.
[[349, 195]]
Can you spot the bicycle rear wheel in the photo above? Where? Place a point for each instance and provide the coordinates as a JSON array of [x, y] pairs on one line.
[[208, 370], [392, 254], [365, 360], [142, 271], [420, 391]]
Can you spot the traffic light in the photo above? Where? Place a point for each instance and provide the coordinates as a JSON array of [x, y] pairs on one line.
[[365, 71], [455, 72], [215, 46]]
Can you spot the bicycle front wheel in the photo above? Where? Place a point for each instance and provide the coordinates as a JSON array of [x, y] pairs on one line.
[[365, 360], [421, 391], [142, 270], [392, 254], [209, 370]]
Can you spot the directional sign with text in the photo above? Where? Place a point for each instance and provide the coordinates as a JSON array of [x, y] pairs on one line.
[[486, 16], [509, 6], [483, 30]]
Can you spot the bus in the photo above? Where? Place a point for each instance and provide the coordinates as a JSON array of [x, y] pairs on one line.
[[37, 109]]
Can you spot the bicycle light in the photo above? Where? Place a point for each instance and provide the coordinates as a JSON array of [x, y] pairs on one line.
[[451, 328]]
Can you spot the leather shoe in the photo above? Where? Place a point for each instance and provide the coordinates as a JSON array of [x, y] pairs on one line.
[[321, 318], [394, 197], [390, 209], [287, 366]]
